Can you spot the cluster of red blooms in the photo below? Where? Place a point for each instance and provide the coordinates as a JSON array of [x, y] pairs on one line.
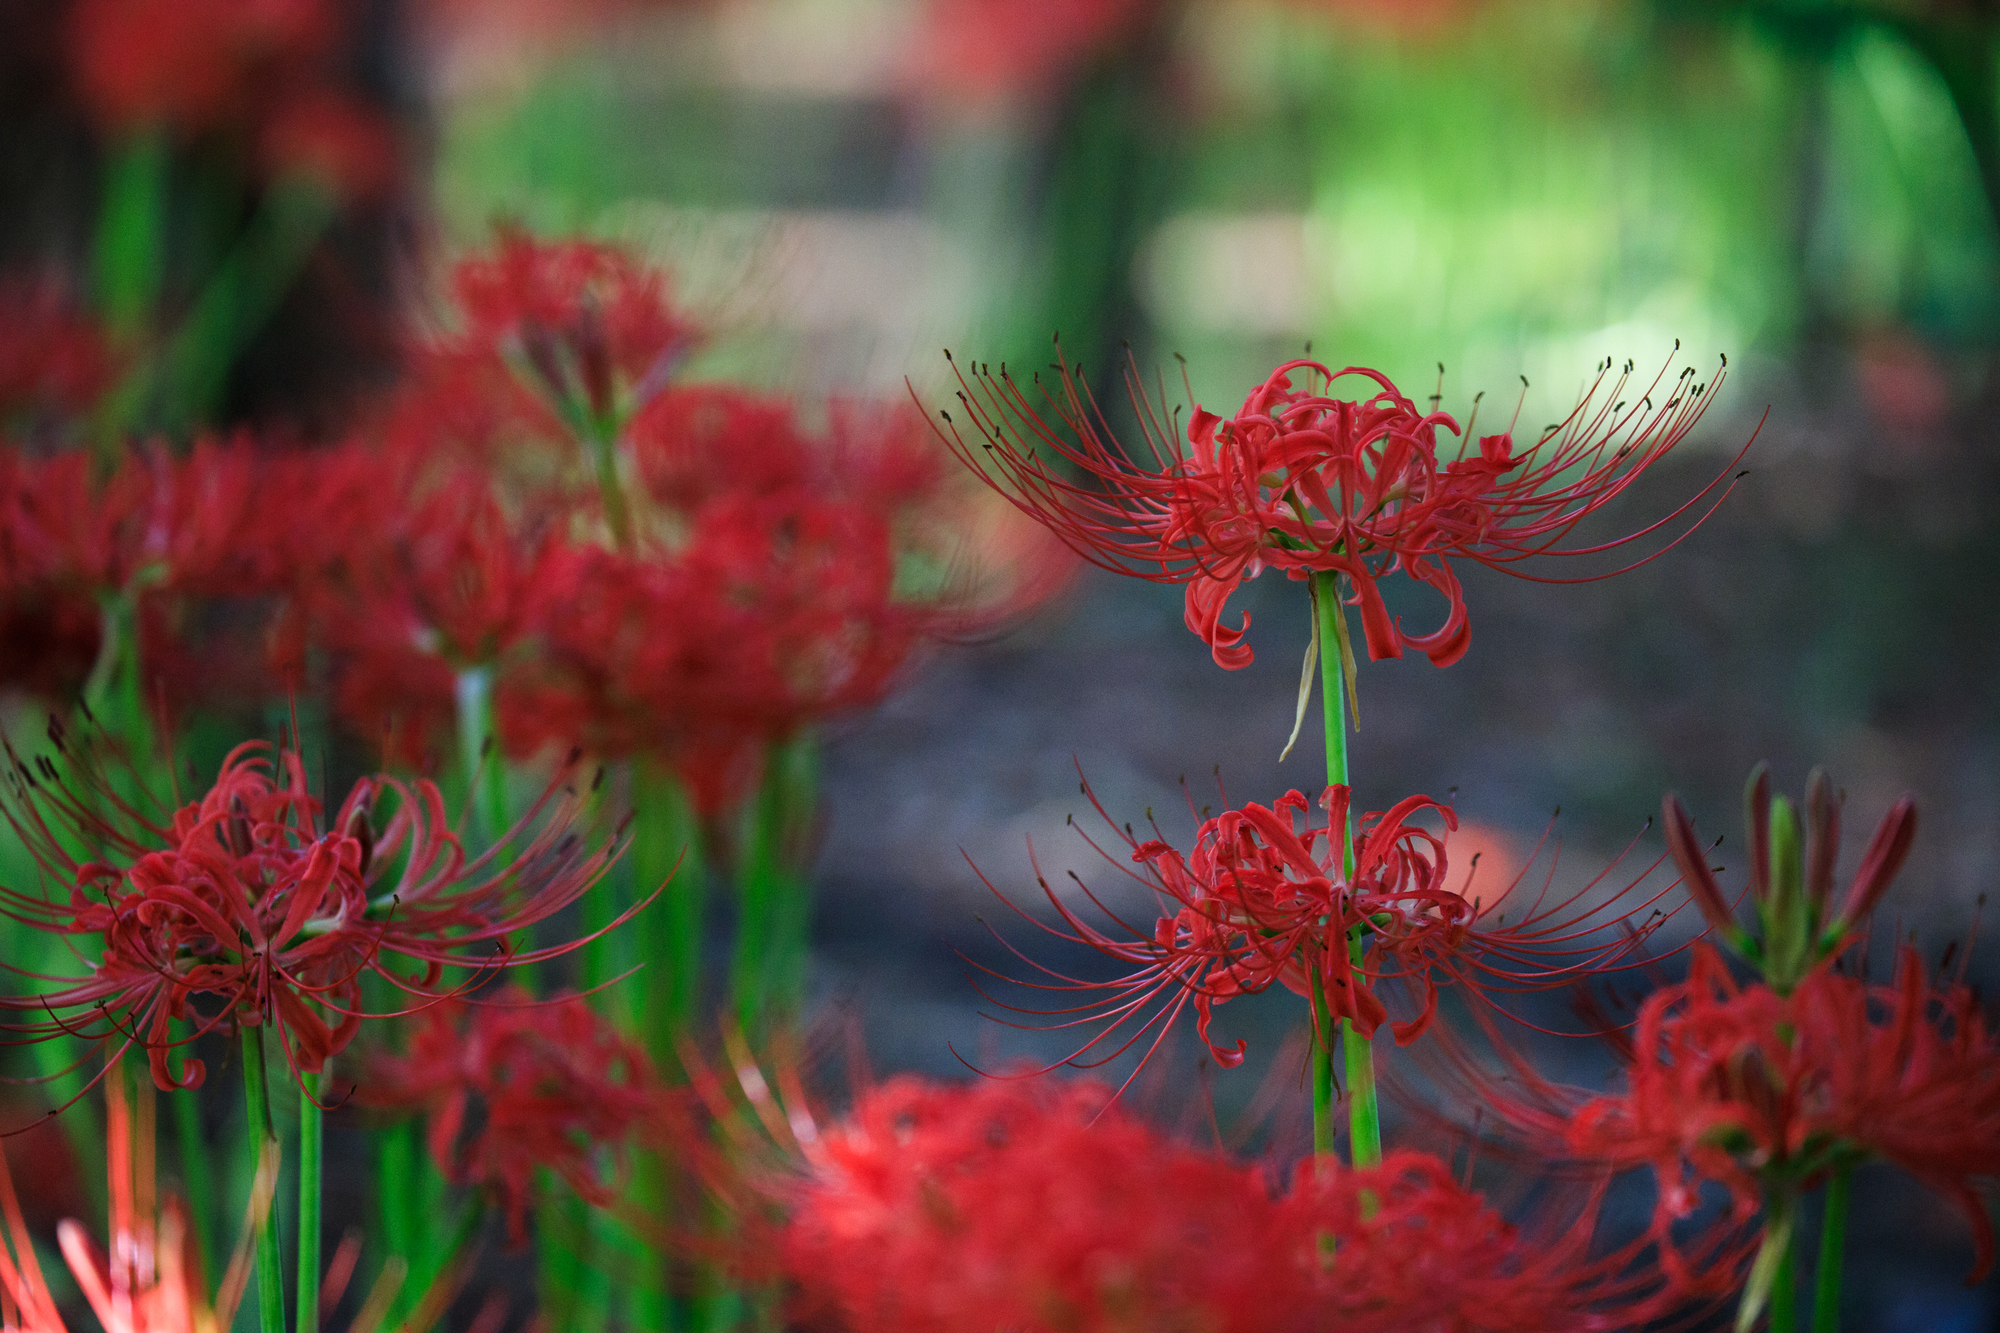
[[246, 908], [539, 516], [1307, 482], [1260, 902], [1045, 1208], [86, 558], [263, 75], [511, 1085], [639, 567]]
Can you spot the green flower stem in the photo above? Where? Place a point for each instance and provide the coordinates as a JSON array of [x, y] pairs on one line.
[[775, 908], [312, 1157], [1322, 1080], [1364, 1109], [666, 840], [478, 751], [601, 439], [1785, 1295], [130, 222], [1832, 1244], [195, 1182], [257, 1100]]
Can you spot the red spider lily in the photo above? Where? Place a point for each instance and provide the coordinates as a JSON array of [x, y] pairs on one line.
[[1791, 875], [513, 1085], [1043, 1207], [1736, 1083], [246, 909], [1307, 482], [191, 64], [581, 317], [1261, 902], [53, 359], [156, 522]]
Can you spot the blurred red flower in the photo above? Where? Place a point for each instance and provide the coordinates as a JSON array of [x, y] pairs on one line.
[[192, 65], [981, 51], [512, 1085], [53, 359], [246, 909], [1307, 482], [1041, 1207]]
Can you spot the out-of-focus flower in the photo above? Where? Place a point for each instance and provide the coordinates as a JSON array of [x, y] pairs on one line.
[[246, 909], [1791, 875], [1307, 482], [1044, 1208], [512, 1085], [192, 65], [1261, 902], [53, 359], [592, 328], [1760, 1091], [983, 51], [349, 148]]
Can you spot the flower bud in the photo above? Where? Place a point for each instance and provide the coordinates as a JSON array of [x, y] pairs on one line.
[[1692, 860], [1880, 862], [1822, 842]]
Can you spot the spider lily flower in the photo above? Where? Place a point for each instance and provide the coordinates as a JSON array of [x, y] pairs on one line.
[[247, 908], [1791, 875], [1767, 1093], [1044, 1206], [1261, 901], [1304, 480], [512, 1085]]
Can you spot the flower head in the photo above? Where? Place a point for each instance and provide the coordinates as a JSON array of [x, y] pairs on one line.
[[1306, 481], [1260, 901], [247, 908], [1753, 1089], [512, 1085]]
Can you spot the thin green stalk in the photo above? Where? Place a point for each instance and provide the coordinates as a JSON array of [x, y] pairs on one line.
[[312, 1156], [130, 222], [195, 1182], [1832, 1248], [1322, 1079], [602, 442], [257, 1100], [1364, 1110], [485, 775], [666, 840], [1364, 1100], [1785, 1295]]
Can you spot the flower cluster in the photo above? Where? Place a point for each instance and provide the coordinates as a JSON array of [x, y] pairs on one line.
[[247, 909], [1305, 481], [1260, 901], [511, 1085]]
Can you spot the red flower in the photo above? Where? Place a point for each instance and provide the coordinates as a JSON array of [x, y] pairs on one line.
[[1735, 1083], [1306, 482], [513, 1085], [1260, 902], [53, 360], [594, 327], [1042, 1207], [193, 65], [246, 909]]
